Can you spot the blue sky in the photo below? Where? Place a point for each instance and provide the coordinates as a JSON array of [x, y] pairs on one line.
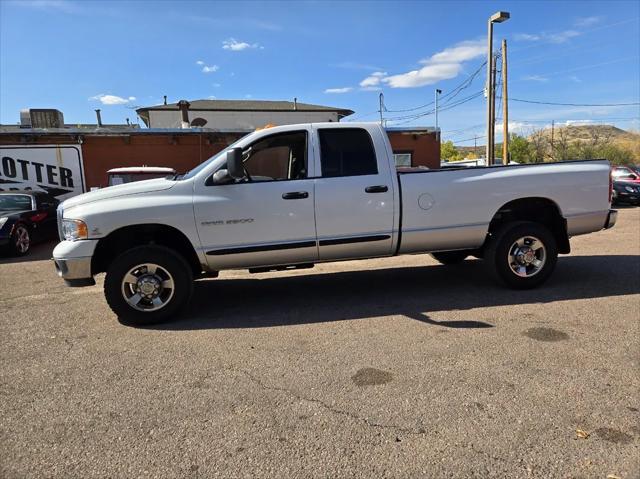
[[78, 56]]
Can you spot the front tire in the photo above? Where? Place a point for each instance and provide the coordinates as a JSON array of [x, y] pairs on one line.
[[522, 254], [148, 285]]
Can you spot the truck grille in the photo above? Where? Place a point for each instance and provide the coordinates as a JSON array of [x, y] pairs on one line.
[[59, 214]]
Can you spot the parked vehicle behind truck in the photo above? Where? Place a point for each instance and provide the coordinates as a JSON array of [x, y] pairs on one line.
[[292, 196]]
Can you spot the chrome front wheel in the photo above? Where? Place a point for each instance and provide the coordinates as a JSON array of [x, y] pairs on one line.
[[148, 287], [148, 284]]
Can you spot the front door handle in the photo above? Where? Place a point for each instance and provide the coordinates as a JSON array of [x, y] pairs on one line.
[[376, 189], [295, 195]]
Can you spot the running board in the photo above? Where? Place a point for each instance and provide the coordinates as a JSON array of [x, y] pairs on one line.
[[284, 267]]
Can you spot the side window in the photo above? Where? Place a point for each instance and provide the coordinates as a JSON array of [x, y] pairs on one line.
[[620, 172], [278, 157], [346, 152]]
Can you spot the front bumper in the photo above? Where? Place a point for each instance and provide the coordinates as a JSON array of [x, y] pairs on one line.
[[75, 271], [611, 219], [72, 260]]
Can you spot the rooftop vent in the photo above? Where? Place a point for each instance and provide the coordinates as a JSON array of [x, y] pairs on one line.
[[41, 118]]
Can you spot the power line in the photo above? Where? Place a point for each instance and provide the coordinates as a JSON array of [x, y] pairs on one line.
[[430, 112], [447, 97], [573, 104]]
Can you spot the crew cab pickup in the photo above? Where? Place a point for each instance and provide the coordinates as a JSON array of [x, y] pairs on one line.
[[292, 196]]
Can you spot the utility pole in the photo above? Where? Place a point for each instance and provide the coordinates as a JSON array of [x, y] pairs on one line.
[[381, 98], [553, 124], [505, 106], [497, 17], [437, 93]]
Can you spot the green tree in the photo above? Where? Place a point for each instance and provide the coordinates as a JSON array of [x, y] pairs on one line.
[[520, 149], [449, 152]]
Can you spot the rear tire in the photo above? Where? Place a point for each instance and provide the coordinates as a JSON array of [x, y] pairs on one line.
[[522, 254], [148, 285], [450, 257], [20, 240]]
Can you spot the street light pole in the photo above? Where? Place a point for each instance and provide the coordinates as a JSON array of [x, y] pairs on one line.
[[497, 17], [437, 93], [489, 147], [505, 107]]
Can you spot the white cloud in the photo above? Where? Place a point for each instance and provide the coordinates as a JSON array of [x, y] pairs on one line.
[[236, 46], [537, 78], [460, 52], [427, 75], [547, 37], [515, 127], [526, 37], [575, 79], [373, 79], [216, 85], [60, 5], [587, 21], [355, 66], [200, 62], [577, 122], [112, 99], [210, 68], [440, 66], [346, 89], [248, 95]]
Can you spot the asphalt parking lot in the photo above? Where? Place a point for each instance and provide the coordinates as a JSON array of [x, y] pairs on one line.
[[386, 368]]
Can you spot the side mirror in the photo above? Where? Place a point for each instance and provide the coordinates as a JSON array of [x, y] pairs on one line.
[[235, 166], [220, 177]]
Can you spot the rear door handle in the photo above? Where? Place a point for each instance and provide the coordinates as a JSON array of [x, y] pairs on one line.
[[295, 195], [376, 189]]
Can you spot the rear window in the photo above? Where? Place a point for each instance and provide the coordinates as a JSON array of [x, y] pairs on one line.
[[346, 152]]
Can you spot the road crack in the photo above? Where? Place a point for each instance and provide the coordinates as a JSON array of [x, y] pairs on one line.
[[332, 409]]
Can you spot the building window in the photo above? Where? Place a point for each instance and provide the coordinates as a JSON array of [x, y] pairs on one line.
[[402, 158]]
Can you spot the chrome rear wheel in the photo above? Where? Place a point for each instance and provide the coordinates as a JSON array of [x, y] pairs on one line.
[[527, 256]]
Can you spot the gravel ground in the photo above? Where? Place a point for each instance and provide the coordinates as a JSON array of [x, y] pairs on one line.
[[385, 368]]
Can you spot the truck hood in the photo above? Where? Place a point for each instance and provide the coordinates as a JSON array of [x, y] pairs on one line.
[[137, 187]]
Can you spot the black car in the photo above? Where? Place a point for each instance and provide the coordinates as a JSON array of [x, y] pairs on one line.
[[26, 217], [626, 192]]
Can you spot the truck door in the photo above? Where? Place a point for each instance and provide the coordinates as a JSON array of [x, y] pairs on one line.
[[268, 218], [354, 196]]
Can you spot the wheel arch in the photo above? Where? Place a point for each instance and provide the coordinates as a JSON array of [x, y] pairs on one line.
[[127, 237], [537, 209]]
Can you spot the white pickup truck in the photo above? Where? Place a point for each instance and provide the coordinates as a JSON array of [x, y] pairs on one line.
[[291, 196]]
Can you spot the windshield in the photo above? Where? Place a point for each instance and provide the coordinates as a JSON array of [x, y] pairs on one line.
[[15, 202], [193, 172]]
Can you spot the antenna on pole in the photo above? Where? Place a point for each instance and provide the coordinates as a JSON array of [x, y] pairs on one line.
[[381, 98]]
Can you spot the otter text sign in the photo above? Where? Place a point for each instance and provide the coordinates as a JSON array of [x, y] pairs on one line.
[[56, 169]]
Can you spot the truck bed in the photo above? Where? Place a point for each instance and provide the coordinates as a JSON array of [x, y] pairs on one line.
[[430, 198]]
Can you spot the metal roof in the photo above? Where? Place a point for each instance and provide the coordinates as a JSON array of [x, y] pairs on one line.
[[248, 105], [116, 130], [412, 129]]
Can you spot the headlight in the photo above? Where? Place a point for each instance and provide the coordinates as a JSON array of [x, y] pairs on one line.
[[3, 220], [73, 230], [630, 189]]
